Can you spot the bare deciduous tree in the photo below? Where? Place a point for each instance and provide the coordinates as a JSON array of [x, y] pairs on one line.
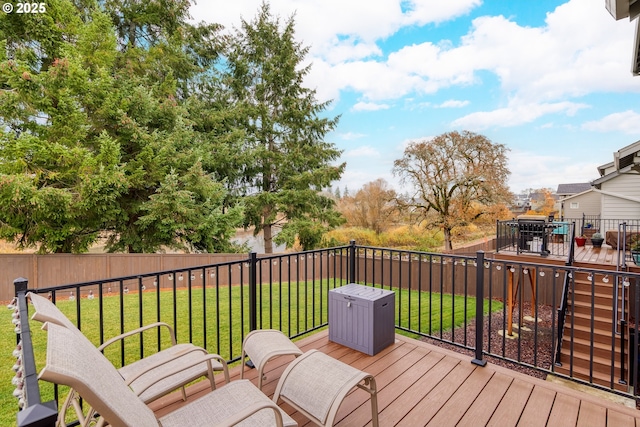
[[454, 175]]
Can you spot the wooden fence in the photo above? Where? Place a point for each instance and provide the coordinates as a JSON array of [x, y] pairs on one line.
[[58, 269], [446, 274]]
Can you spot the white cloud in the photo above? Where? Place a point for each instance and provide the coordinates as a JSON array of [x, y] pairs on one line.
[[369, 106], [626, 121], [535, 170], [452, 103], [541, 72], [363, 151], [579, 50], [515, 115], [325, 25], [349, 136], [425, 11]]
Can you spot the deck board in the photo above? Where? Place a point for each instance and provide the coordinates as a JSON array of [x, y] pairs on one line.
[[485, 404], [565, 411], [512, 405], [428, 407], [591, 415], [458, 404], [421, 384], [540, 402]]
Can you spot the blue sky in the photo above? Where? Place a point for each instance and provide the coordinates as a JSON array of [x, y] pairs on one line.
[[551, 80]]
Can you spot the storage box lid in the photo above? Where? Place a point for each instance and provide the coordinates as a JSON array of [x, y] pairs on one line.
[[361, 291]]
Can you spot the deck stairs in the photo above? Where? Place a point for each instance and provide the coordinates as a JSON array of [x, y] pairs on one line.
[[587, 345]]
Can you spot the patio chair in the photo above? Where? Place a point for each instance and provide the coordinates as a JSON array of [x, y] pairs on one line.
[[263, 345], [315, 384], [73, 361], [155, 375]]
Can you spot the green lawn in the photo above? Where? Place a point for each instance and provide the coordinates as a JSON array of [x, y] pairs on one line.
[[223, 307]]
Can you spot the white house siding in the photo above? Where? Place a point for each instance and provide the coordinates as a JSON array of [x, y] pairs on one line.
[[626, 183], [617, 207]]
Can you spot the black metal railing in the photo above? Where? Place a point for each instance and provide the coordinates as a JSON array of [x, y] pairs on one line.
[[212, 306], [585, 223], [488, 307], [564, 300], [562, 314], [534, 236]]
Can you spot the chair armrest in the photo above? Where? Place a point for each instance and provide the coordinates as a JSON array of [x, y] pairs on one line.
[[249, 411], [167, 373], [206, 357], [138, 331]]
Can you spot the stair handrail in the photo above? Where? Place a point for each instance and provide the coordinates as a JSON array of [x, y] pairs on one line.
[[620, 266], [564, 303], [620, 324]]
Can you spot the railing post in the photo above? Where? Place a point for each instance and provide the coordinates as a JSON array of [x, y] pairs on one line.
[[253, 291], [623, 356], [36, 413], [352, 261], [479, 309]]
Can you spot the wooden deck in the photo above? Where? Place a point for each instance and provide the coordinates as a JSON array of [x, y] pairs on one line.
[[604, 257], [423, 385]]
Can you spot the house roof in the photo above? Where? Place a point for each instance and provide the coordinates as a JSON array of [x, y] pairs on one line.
[[626, 156], [606, 193], [591, 189], [603, 168], [574, 188], [624, 160]]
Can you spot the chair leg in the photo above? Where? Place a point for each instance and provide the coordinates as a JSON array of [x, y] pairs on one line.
[[244, 355], [212, 380], [374, 401], [370, 387], [260, 378]]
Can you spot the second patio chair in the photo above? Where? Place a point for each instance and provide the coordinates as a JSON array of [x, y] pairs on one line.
[[263, 345], [315, 384]]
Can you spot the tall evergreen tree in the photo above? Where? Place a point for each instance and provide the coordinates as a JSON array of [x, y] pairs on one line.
[[288, 162], [97, 132]]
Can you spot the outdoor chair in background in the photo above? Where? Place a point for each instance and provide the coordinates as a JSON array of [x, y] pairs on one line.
[[262, 345]]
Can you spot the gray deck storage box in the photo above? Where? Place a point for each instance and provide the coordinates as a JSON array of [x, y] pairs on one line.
[[362, 317]]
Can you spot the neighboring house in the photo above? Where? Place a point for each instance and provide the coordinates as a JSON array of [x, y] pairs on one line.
[[614, 196], [521, 204], [536, 200], [580, 204], [586, 203]]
